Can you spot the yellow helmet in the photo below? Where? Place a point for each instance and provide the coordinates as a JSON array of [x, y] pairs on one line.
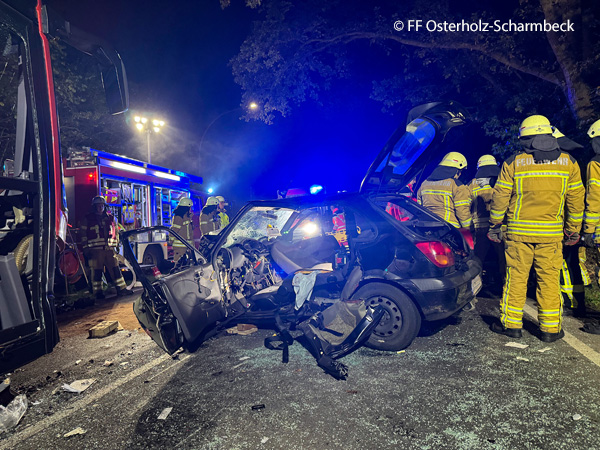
[[535, 125], [594, 130], [454, 159], [486, 160], [556, 133], [210, 201], [185, 202]]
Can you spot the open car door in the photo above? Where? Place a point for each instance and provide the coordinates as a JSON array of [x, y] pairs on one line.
[[412, 148]]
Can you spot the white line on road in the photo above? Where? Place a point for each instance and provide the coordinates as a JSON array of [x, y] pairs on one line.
[[46, 423], [582, 348]]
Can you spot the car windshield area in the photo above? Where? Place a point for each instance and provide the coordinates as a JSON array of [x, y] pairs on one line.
[[419, 134], [259, 222], [402, 209]]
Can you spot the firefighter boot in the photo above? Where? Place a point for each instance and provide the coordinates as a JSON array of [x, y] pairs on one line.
[[551, 337], [515, 333]]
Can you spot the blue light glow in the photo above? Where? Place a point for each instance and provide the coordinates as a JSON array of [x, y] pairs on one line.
[[315, 189], [210, 190]]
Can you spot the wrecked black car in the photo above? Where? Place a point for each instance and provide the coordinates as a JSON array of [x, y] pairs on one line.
[[345, 269]]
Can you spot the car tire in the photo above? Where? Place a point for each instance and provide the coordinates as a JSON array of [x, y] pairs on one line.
[[401, 322], [152, 256]]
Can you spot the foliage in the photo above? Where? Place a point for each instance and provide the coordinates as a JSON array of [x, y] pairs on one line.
[[299, 49]]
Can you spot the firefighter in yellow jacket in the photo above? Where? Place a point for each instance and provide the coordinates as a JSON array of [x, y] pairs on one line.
[[482, 188], [541, 194], [591, 226], [99, 239], [182, 224], [444, 194], [210, 221]]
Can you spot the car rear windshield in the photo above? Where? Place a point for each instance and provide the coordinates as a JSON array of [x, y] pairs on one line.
[[401, 209], [418, 136]]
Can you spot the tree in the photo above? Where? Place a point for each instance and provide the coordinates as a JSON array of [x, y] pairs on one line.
[[300, 48]]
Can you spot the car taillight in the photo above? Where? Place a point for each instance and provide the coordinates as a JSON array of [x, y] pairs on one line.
[[466, 233], [437, 252]]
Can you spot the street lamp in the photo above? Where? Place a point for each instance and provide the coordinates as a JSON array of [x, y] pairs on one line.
[[148, 126], [253, 106]]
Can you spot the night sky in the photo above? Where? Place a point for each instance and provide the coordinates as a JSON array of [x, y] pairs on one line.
[[177, 54]]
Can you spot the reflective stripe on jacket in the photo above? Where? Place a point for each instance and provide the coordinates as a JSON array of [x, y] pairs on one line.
[[99, 231], [538, 199], [183, 226], [592, 200], [448, 200], [481, 199]]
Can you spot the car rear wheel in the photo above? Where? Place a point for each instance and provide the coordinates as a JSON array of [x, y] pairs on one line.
[[401, 322]]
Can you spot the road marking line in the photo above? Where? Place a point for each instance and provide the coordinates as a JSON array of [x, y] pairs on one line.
[[578, 345], [46, 423]]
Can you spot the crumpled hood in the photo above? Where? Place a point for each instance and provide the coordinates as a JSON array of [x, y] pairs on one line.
[[596, 145], [543, 147], [442, 173]]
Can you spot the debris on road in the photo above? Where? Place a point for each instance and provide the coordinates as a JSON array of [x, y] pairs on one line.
[[36, 403], [77, 362], [264, 440], [78, 386], [516, 345], [108, 363], [258, 407], [75, 432], [11, 415], [123, 364], [165, 412], [6, 395], [401, 351], [542, 350], [244, 358], [520, 358], [240, 364], [243, 329], [104, 328], [576, 416]]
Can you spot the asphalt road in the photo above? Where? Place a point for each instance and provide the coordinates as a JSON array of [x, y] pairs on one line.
[[457, 387]]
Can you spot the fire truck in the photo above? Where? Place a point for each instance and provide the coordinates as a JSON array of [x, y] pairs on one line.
[[33, 211], [138, 194]]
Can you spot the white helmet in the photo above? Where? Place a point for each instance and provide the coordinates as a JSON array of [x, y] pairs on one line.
[[184, 201]]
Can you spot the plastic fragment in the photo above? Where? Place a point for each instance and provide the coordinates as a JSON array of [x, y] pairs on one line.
[[516, 345], [401, 351], [75, 432], [542, 350], [264, 440], [108, 363], [576, 416], [258, 407], [240, 364], [165, 412], [12, 414], [520, 358], [77, 362], [78, 386], [243, 358]]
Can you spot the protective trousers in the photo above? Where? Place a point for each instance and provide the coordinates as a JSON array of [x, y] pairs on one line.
[[574, 277], [546, 259], [100, 258]]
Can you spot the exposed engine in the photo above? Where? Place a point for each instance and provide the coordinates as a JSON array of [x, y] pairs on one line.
[[245, 270]]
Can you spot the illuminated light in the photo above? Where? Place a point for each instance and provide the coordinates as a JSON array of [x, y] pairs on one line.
[[139, 126], [144, 120], [168, 176], [253, 105], [161, 123], [156, 129], [137, 118], [310, 228], [315, 189], [155, 122], [91, 176], [128, 167], [210, 190]]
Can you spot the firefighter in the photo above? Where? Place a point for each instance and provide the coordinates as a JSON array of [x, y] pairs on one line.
[[182, 224], [99, 241], [444, 194], [481, 188], [222, 212], [591, 227], [573, 274], [210, 222], [536, 189]]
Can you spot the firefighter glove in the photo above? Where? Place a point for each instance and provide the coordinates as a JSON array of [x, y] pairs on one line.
[[495, 233], [571, 238], [588, 240]]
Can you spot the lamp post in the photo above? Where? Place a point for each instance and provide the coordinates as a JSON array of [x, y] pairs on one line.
[[143, 124], [252, 106]]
